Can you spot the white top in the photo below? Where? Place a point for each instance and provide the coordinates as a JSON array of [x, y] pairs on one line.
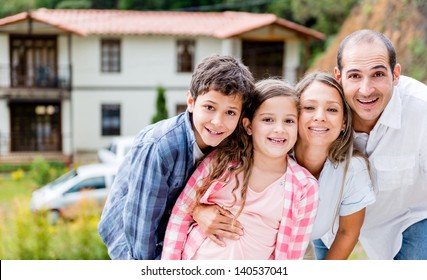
[[357, 194], [197, 153], [397, 150]]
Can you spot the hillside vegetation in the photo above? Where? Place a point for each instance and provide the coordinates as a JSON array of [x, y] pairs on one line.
[[403, 21]]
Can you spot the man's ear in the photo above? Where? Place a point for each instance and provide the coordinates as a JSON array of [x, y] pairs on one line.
[[247, 125], [337, 73], [396, 74], [190, 102]]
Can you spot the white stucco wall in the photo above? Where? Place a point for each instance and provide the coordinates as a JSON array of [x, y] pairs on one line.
[[146, 61]]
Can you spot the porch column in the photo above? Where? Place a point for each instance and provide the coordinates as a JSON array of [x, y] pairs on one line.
[[231, 47], [4, 128], [292, 61]]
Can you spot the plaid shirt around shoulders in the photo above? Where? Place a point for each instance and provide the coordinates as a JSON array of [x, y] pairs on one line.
[[149, 181], [299, 212]]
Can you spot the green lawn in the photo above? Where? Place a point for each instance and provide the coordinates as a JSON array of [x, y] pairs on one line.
[[10, 189]]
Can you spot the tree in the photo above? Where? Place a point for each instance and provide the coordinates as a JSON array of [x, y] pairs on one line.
[[105, 4], [11, 7], [72, 4], [161, 110]]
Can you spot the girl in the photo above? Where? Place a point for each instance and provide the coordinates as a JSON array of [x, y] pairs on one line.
[[251, 176], [325, 148]]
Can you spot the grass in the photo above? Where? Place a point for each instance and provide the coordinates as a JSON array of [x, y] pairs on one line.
[[29, 236], [10, 189], [358, 253]]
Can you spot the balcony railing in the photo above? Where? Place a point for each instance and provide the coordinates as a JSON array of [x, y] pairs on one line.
[[35, 77]]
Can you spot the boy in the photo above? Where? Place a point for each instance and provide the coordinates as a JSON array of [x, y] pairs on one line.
[[163, 157]]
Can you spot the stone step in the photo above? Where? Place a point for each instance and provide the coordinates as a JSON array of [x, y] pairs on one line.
[[28, 157]]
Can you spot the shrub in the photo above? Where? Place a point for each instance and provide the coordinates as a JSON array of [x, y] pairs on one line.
[[40, 171], [161, 109], [17, 175], [43, 172], [29, 236]]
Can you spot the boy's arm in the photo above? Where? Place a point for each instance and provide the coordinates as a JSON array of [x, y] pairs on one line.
[[146, 202], [216, 223]]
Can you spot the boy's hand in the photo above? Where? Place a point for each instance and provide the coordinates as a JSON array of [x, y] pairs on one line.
[[216, 223]]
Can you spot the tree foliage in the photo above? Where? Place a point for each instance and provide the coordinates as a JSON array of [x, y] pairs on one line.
[[72, 4], [161, 110], [11, 7]]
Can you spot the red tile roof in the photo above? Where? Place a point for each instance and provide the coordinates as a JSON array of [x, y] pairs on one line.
[[212, 24]]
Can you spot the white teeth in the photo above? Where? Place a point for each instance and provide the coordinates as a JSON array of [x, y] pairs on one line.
[[367, 101], [277, 140], [318, 128], [214, 132]]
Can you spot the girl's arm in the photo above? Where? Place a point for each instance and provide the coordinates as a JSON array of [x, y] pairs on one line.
[[347, 236]]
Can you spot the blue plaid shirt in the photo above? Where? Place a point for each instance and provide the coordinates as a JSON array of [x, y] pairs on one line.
[[149, 181]]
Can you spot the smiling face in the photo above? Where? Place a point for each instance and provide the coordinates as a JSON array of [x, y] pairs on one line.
[[368, 81], [273, 127], [215, 117], [322, 115]]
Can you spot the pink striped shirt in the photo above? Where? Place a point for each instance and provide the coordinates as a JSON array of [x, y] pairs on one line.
[[301, 197]]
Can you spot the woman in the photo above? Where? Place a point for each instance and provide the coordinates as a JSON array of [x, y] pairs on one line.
[[325, 148]]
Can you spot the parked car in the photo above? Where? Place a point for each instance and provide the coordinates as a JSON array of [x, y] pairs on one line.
[[116, 151], [63, 196]]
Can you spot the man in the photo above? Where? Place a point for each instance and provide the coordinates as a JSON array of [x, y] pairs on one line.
[[389, 117]]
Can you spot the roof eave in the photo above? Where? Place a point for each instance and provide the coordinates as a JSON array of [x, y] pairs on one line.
[[304, 31], [30, 16], [301, 29], [14, 19], [59, 26]]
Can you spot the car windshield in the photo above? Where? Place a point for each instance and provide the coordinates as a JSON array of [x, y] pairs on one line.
[[127, 149], [63, 178]]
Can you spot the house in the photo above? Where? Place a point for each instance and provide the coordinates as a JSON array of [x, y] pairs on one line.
[[70, 80]]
